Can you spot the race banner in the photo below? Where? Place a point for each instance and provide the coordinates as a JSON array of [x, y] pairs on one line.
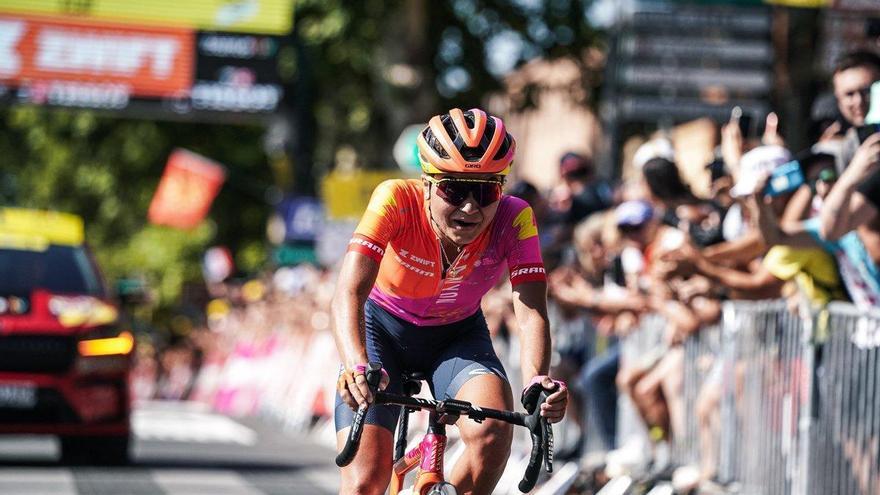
[[244, 16], [236, 73], [84, 63], [186, 190]]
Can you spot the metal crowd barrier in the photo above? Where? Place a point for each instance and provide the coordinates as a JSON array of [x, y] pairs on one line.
[[800, 397], [845, 453]]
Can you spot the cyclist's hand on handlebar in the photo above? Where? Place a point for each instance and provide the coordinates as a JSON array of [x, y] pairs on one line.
[[553, 409], [353, 388]]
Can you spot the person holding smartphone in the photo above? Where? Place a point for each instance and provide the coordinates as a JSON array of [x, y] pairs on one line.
[[854, 201], [853, 77]]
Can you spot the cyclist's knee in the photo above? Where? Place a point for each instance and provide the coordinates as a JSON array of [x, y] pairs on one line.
[[370, 471], [369, 480], [492, 440]]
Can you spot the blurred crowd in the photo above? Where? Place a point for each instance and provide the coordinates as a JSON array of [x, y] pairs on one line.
[[797, 224], [779, 223]]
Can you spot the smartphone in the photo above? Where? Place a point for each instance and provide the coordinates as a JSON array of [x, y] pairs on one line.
[[743, 120], [873, 116], [745, 126], [866, 131], [785, 179]]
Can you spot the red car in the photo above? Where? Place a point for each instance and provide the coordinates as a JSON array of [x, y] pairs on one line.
[[65, 357]]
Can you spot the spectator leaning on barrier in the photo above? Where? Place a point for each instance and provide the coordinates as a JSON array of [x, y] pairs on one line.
[[779, 265], [812, 268], [701, 219], [596, 286], [653, 380], [854, 200], [858, 269]]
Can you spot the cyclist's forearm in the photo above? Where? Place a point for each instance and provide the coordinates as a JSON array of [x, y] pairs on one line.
[[530, 307], [534, 354], [348, 329], [356, 279]]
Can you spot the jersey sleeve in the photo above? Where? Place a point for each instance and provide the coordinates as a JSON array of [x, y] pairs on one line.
[[524, 251], [379, 223]]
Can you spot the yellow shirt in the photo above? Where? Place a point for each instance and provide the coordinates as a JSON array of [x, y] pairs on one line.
[[813, 269]]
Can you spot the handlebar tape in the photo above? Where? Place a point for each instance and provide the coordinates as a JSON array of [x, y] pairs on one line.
[[541, 433], [373, 376]]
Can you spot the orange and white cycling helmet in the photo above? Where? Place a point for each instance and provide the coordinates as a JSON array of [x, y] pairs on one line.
[[466, 142]]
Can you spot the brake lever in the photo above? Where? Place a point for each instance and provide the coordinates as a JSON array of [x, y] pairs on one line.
[[548, 445], [352, 442]]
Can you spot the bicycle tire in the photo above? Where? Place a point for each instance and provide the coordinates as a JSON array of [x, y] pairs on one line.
[[442, 489]]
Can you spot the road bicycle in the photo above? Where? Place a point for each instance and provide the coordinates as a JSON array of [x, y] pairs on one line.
[[428, 454]]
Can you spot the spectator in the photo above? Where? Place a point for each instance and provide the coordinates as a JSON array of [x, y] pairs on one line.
[[852, 79], [580, 193], [720, 183], [591, 286], [681, 208], [858, 270], [812, 269], [853, 76], [854, 200], [587, 192], [653, 380]]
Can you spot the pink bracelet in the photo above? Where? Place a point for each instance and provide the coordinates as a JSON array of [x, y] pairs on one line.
[[537, 379]]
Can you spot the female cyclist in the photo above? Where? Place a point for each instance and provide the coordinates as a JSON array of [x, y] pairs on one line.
[[409, 292]]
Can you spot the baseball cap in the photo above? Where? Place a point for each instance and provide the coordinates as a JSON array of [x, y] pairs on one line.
[[655, 148], [633, 213], [573, 163], [752, 165]]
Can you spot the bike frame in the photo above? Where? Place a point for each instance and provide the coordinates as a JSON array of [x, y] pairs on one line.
[[428, 455]]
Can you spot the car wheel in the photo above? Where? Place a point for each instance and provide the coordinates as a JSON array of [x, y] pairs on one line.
[[95, 450]]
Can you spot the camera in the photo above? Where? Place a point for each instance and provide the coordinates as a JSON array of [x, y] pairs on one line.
[[785, 179], [866, 131]]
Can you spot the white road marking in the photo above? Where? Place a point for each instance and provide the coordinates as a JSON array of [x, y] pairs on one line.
[[189, 425], [326, 477], [202, 482], [37, 481]]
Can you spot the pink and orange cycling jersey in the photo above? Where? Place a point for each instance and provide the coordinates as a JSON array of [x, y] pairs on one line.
[[396, 232]]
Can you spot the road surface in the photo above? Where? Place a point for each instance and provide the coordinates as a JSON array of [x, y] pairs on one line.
[[179, 449]]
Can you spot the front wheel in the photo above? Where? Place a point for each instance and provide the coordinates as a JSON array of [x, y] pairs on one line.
[[442, 489]]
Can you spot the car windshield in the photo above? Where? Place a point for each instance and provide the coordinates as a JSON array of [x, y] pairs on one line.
[[58, 269]]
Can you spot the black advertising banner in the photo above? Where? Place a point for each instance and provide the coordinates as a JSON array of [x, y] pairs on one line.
[[234, 73]]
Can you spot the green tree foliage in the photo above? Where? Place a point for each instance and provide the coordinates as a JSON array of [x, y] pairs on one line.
[[381, 65], [374, 66], [106, 169]]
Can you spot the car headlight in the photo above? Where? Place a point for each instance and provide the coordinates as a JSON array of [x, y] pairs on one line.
[[84, 311], [121, 344]]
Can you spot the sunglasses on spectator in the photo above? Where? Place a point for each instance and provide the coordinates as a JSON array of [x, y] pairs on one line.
[[456, 191], [828, 175]]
